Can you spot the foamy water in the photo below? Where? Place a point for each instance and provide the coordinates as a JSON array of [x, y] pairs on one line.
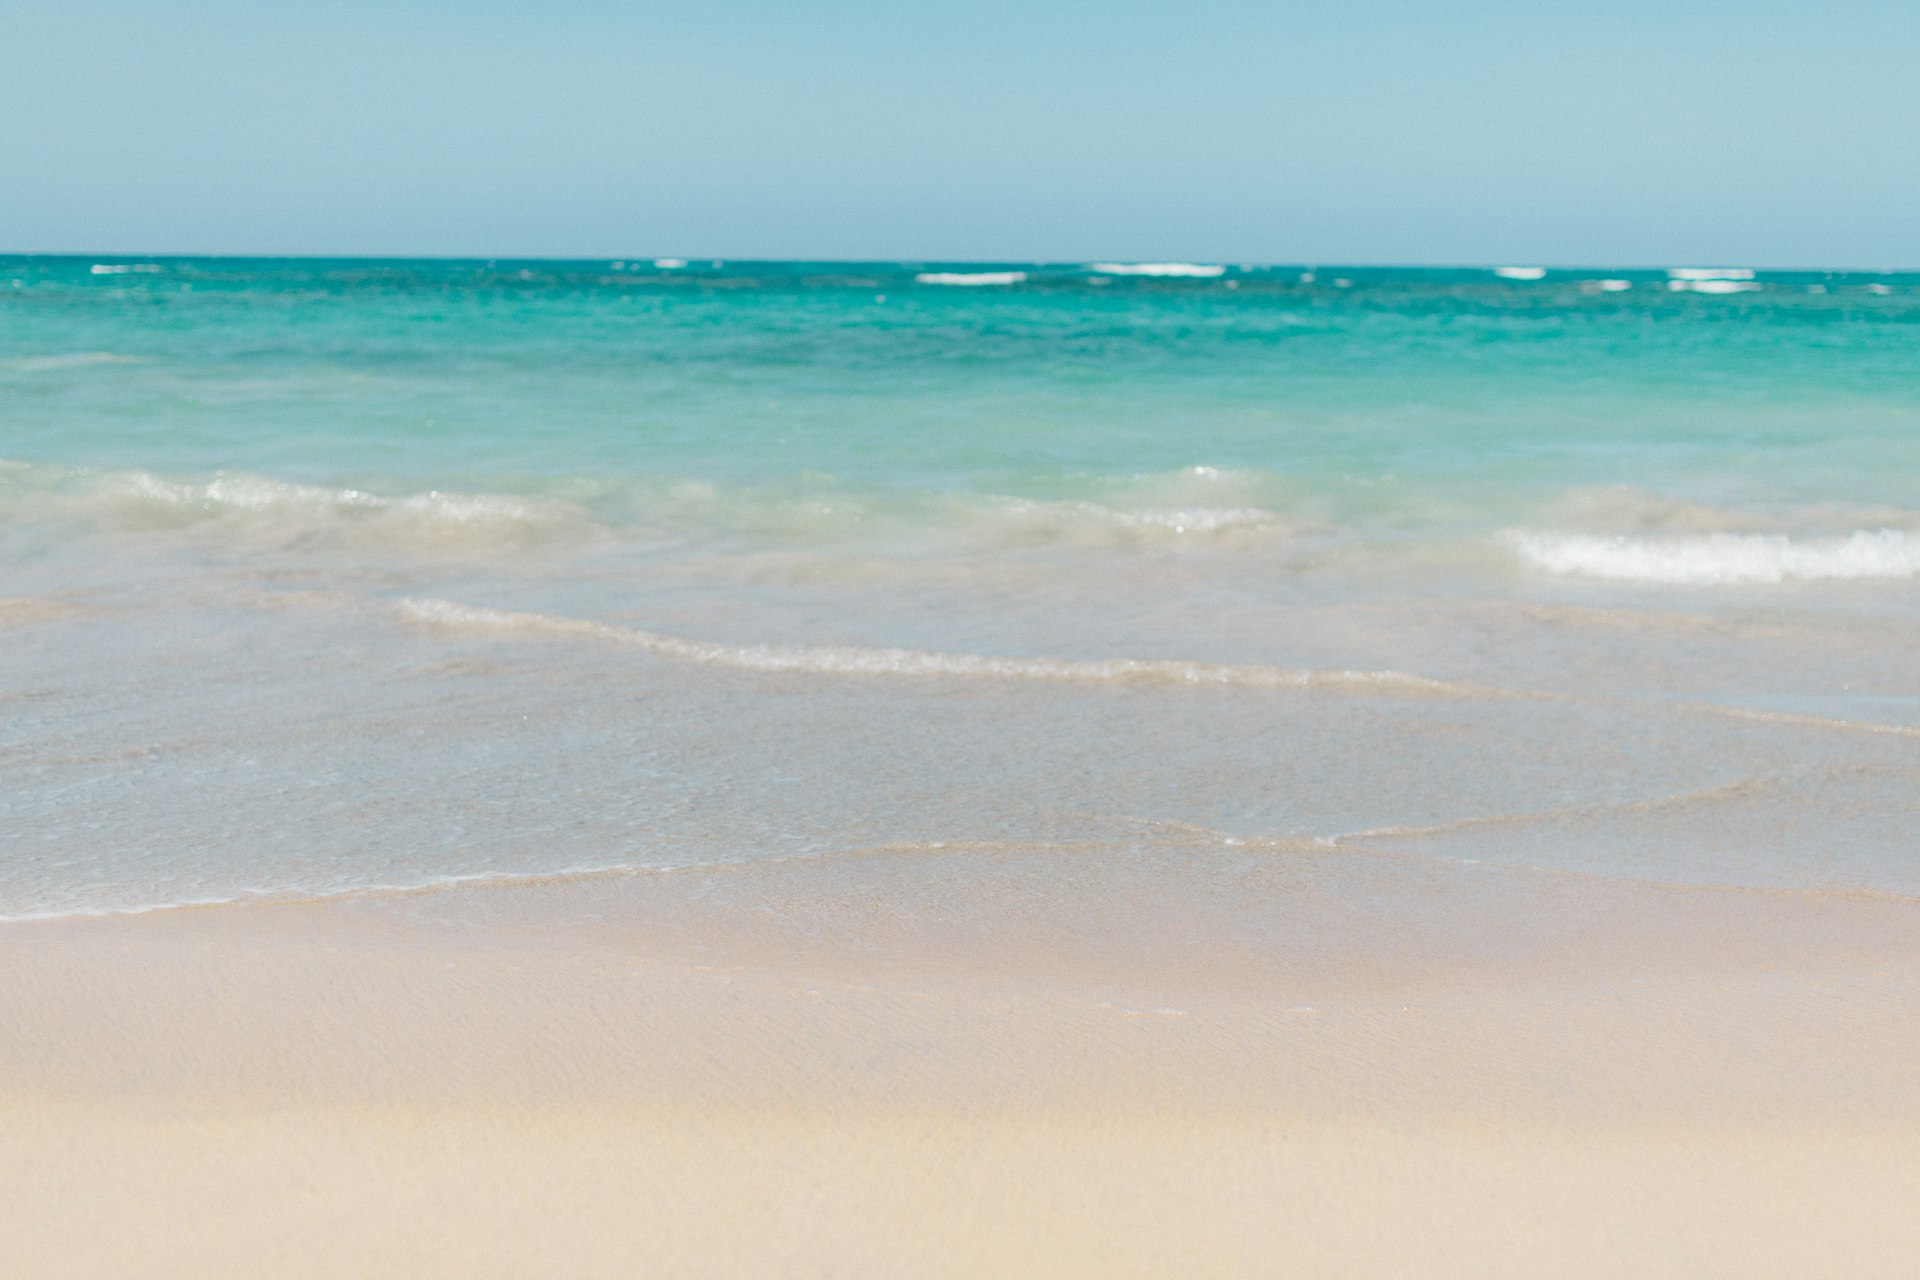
[[1719, 559], [348, 578]]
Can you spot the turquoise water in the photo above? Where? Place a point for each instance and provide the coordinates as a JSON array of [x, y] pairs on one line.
[[1443, 384], [330, 576]]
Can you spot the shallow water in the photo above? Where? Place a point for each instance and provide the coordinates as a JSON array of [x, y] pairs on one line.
[[318, 577]]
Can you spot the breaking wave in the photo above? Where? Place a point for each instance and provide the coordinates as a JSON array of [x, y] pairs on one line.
[[1718, 559], [970, 277], [1199, 270]]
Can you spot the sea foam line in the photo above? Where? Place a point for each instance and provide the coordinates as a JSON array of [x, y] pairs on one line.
[[859, 661], [1723, 559]]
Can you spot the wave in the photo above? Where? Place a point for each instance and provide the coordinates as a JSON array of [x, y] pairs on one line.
[[1709, 273], [1713, 286], [1521, 273], [279, 510], [860, 661], [1196, 507], [970, 277], [1723, 559], [1200, 270], [1025, 521]]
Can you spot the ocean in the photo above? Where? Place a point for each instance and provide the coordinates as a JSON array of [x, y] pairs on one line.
[[330, 577]]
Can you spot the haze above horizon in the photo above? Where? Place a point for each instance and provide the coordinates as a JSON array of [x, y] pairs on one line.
[[1388, 132]]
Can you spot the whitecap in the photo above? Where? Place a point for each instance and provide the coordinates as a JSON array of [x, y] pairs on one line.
[[971, 277], [669, 264], [1722, 559], [125, 268], [1709, 273], [1712, 285], [1194, 269], [1520, 273]]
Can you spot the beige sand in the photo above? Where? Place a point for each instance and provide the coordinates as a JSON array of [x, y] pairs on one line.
[[790, 1072]]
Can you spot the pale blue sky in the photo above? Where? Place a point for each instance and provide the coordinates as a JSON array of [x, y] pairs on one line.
[[1384, 131]]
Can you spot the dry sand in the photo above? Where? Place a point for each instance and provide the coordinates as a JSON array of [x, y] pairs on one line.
[[797, 1071]]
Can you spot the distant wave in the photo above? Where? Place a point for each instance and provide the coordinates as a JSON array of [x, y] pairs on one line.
[[1709, 273], [970, 277], [1520, 273], [1713, 286], [1199, 269], [1711, 280], [1717, 559], [861, 661]]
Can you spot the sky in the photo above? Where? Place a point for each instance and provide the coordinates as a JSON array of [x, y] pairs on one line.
[[1609, 132]]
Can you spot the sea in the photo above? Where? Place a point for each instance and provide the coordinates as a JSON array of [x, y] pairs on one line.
[[332, 577]]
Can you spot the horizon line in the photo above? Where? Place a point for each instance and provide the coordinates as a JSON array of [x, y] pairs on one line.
[[690, 260]]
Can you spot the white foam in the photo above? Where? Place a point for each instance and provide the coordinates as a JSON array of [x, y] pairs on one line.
[[1709, 273], [258, 506], [860, 661], [1613, 286], [1022, 520], [669, 264], [1196, 269], [125, 268], [1712, 286], [1520, 273], [1723, 559], [971, 277]]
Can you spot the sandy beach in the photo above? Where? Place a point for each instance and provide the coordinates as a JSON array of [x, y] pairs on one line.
[[803, 1070], [905, 771]]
